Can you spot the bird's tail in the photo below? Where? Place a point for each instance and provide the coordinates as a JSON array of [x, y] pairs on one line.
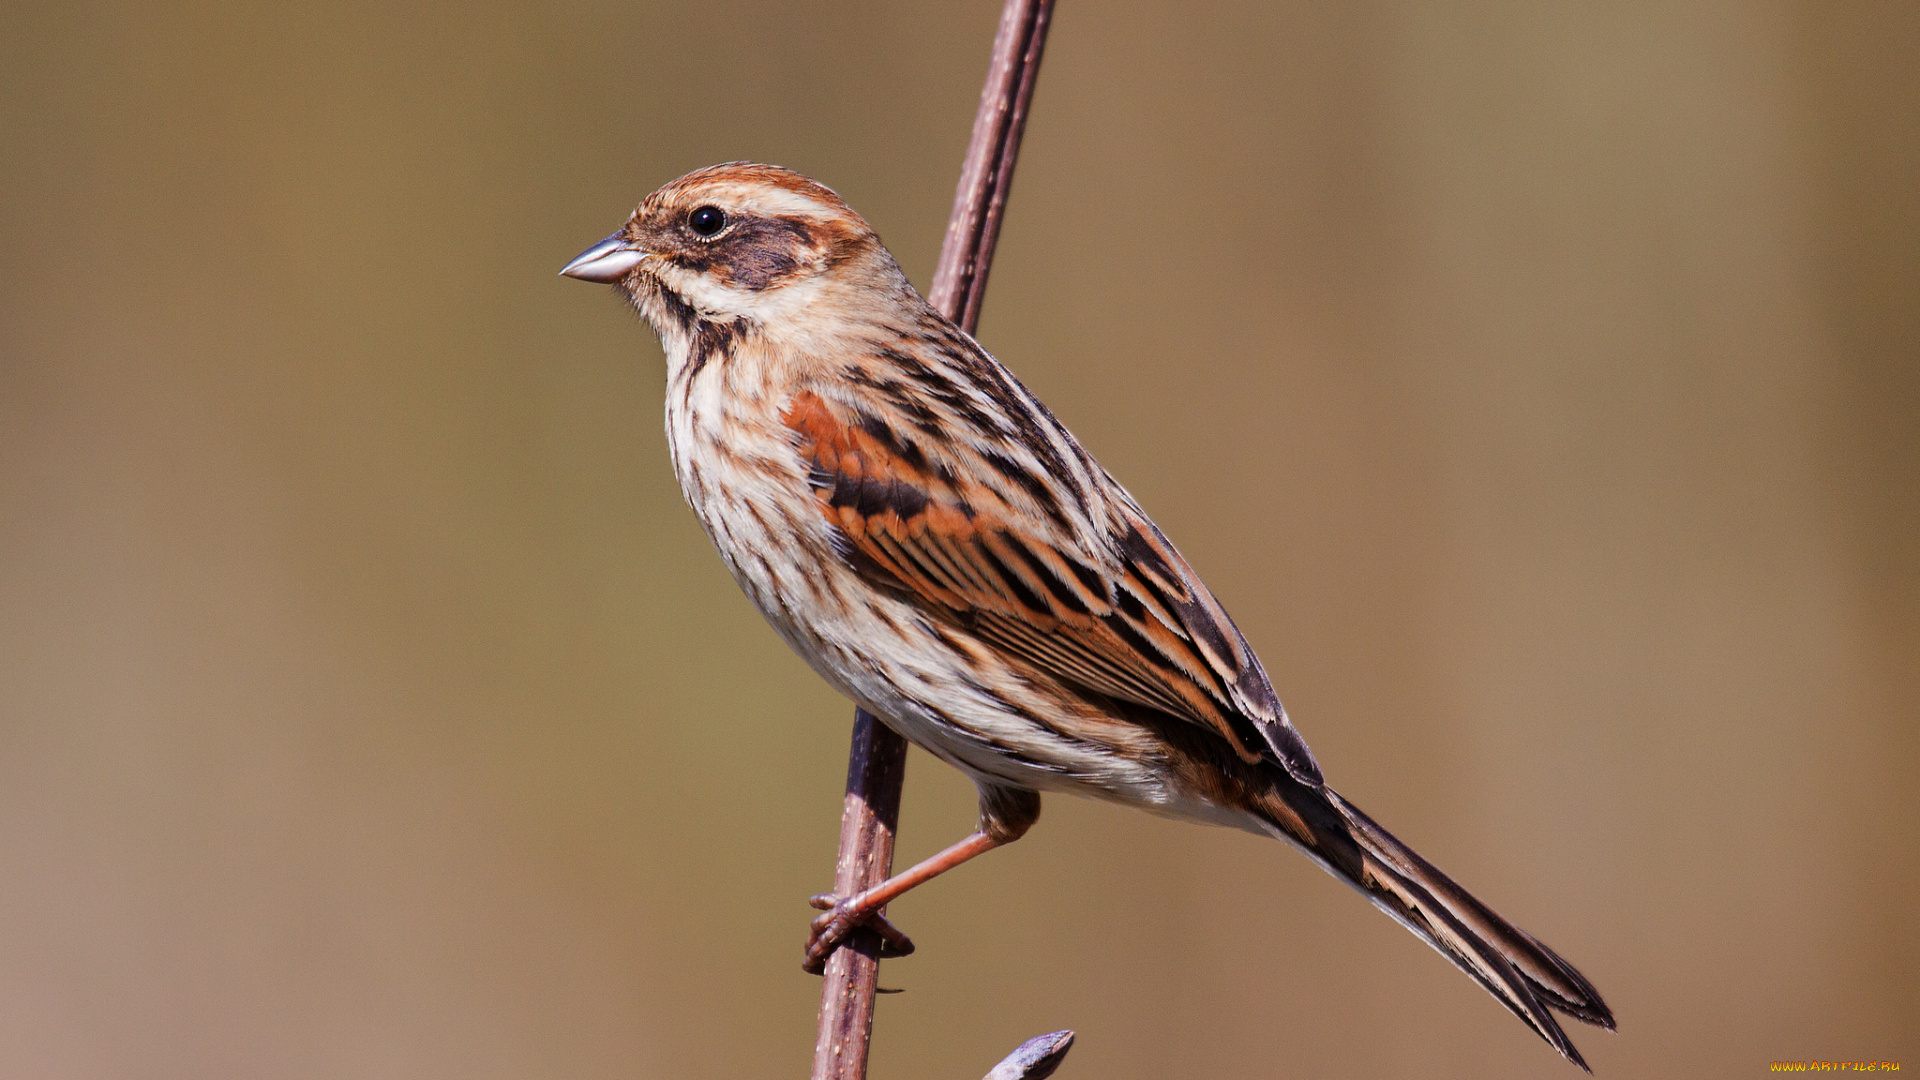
[[1526, 976]]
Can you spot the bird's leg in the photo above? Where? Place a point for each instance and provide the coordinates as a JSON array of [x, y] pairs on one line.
[[844, 914], [1005, 815]]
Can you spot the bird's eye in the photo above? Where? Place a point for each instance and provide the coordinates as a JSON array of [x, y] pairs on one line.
[[707, 221]]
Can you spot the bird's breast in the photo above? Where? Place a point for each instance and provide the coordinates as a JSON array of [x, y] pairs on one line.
[[745, 480]]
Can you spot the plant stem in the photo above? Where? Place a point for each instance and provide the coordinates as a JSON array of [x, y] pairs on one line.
[[876, 764]]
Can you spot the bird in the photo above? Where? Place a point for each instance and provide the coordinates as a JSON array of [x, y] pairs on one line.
[[924, 533]]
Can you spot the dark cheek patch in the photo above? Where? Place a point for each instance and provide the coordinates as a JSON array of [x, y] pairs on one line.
[[762, 252], [757, 269]]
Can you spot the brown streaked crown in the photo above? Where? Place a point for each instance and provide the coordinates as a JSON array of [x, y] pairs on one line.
[[775, 227]]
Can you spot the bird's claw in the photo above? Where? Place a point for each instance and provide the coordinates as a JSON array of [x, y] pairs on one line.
[[841, 918]]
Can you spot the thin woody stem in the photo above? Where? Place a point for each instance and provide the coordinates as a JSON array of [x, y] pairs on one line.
[[876, 766], [966, 254]]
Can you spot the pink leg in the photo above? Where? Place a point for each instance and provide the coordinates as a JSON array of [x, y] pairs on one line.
[[866, 908]]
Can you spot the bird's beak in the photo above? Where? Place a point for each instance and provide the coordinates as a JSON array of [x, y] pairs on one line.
[[607, 261]]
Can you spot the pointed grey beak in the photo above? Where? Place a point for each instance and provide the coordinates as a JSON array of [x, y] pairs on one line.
[[607, 261]]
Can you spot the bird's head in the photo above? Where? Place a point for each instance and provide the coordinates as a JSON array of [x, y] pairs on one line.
[[739, 242]]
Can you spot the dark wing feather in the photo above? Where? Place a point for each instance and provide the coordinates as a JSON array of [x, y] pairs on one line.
[[985, 545]]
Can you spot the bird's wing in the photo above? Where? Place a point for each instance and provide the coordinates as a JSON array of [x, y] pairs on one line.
[[982, 542]]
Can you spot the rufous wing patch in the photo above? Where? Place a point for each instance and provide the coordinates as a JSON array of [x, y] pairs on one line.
[[1135, 624]]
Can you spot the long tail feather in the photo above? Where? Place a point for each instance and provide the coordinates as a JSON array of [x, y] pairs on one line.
[[1521, 973]]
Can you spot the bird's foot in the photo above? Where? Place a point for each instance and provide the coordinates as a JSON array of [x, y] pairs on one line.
[[844, 915]]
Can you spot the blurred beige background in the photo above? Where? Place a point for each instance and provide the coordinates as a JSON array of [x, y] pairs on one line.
[[1538, 385]]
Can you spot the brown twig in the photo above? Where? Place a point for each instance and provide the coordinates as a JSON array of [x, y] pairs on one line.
[[876, 764], [960, 278]]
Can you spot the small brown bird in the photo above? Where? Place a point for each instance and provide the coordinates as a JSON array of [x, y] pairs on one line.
[[935, 544]]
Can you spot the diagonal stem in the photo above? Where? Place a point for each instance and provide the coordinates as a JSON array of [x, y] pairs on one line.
[[960, 277], [876, 765]]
